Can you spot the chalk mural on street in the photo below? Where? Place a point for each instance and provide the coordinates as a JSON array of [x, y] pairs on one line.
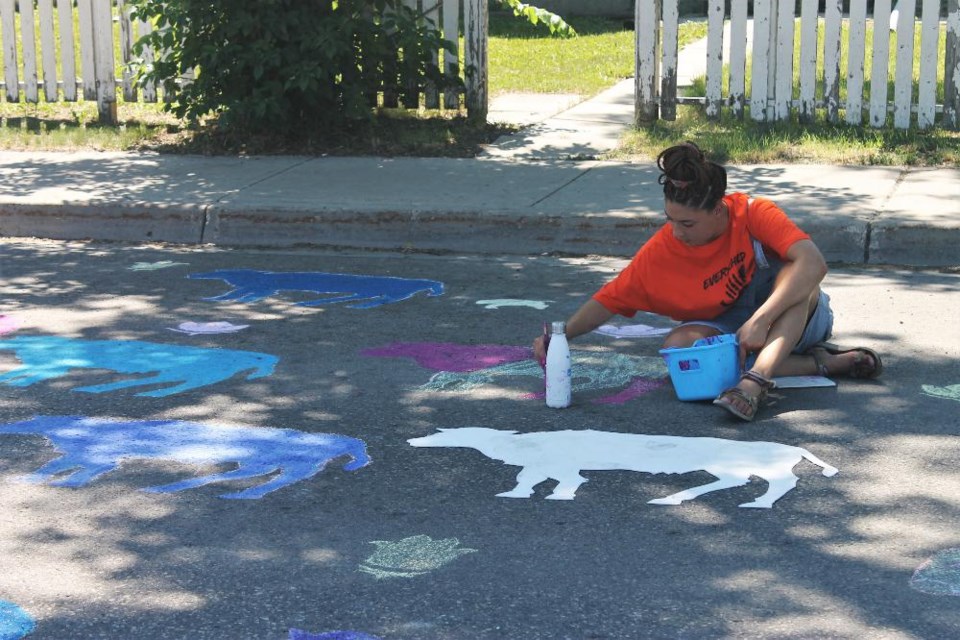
[[47, 357], [298, 634], [15, 623], [448, 356], [207, 328], [513, 302], [562, 455], [636, 389], [411, 557], [632, 331], [366, 291], [8, 324], [155, 266], [464, 368], [940, 575], [91, 447], [951, 392], [590, 371]]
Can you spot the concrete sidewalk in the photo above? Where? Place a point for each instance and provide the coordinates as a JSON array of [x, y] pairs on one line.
[[873, 215]]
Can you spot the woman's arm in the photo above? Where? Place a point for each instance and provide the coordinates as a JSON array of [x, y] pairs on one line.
[[805, 268], [587, 318]]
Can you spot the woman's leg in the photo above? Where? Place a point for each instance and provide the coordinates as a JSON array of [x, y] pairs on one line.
[[775, 359], [686, 334]]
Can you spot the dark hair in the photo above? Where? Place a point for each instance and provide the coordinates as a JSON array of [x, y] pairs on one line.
[[690, 179]]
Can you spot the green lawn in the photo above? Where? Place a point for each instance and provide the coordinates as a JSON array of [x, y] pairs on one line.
[[524, 59]]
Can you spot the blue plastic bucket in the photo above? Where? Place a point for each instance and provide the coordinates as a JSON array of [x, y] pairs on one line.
[[702, 371]]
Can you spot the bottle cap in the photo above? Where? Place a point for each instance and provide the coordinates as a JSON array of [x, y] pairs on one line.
[[559, 327]]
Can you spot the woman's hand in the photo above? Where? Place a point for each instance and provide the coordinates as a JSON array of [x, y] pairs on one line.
[[752, 337], [587, 318], [540, 349]]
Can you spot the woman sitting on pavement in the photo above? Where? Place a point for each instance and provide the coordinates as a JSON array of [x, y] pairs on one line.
[[729, 264]]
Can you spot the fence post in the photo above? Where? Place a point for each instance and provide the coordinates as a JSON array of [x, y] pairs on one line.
[[103, 61], [647, 30], [927, 88], [951, 84], [11, 75], [879, 75], [782, 83], [738, 57], [808, 60], [475, 27], [714, 58], [668, 75], [831, 59], [764, 58], [903, 72]]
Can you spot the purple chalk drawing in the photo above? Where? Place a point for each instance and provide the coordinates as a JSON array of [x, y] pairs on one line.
[[91, 447], [15, 623], [463, 368], [447, 356], [940, 575], [8, 324], [251, 286], [297, 634], [47, 357], [636, 389]]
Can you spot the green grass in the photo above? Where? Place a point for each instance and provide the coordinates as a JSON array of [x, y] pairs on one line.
[[733, 141], [524, 60]]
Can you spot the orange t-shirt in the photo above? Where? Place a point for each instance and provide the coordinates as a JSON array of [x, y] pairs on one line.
[[682, 282]]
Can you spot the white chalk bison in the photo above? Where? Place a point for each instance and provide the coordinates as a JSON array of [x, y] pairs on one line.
[[561, 455]]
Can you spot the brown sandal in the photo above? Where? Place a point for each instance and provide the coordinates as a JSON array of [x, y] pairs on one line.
[[861, 365], [725, 399]]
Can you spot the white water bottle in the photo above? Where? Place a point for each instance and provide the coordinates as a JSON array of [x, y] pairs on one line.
[[558, 368]]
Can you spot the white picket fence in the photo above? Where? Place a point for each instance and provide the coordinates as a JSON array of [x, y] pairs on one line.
[[773, 95], [65, 72]]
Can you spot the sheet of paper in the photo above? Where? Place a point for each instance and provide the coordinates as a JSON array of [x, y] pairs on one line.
[[803, 382], [632, 331]]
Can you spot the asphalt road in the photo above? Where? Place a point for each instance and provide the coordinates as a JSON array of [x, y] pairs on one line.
[[833, 558]]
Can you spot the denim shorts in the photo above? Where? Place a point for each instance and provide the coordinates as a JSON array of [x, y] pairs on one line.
[[819, 326]]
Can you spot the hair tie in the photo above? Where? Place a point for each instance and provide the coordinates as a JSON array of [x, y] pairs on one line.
[[679, 184]]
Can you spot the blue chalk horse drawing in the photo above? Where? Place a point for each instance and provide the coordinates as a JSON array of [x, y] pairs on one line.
[[46, 357], [251, 286], [93, 446]]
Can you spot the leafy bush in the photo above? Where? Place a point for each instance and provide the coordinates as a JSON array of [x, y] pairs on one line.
[[282, 65]]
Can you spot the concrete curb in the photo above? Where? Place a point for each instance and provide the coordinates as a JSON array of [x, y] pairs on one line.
[[857, 215]]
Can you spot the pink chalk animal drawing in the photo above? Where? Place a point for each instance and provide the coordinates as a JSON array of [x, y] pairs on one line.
[[562, 455], [463, 368]]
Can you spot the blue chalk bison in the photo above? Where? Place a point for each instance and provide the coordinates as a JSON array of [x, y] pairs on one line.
[[251, 286], [92, 446], [46, 357]]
